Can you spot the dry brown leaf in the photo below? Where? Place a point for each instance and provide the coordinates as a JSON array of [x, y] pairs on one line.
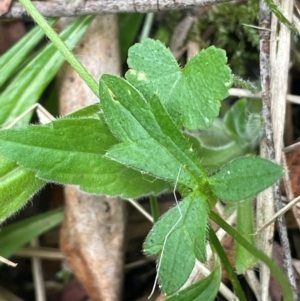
[[92, 236], [4, 6]]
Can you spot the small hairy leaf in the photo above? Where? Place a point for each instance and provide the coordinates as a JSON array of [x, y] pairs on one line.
[[57, 154], [236, 135], [205, 289], [214, 146], [191, 95], [179, 236], [244, 177], [17, 186], [151, 142]]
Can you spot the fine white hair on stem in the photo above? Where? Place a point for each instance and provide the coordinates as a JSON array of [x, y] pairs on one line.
[[168, 234]]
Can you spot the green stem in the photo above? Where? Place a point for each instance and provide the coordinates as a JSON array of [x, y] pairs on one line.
[[231, 274], [60, 45], [147, 26], [276, 271], [154, 208], [244, 225]]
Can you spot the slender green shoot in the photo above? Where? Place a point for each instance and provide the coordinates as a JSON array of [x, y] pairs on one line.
[[231, 274], [60, 45], [276, 271], [154, 208]]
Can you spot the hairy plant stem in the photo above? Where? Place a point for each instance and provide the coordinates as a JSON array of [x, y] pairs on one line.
[[265, 67], [288, 294], [61, 46]]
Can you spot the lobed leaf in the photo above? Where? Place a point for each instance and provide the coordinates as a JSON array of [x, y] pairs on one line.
[[151, 142], [191, 95], [179, 236], [244, 177]]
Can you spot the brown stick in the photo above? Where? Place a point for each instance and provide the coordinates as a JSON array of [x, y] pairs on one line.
[[92, 235], [94, 7], [265, 73]]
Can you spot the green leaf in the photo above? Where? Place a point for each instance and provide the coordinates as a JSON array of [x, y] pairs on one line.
[[17, 186], [244, 177], [214, 146], [31, 81], [191, 95], [151, 142], [91, 111], [235, 119], [205, 289], [12, 58], [244, 123], [226, 264], [70, 151], [244, 260], [179, 236], [14, 236]]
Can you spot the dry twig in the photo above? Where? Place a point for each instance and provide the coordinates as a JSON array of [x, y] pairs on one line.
[[8, 262], [274, 139], [95, 7], [246, 93]]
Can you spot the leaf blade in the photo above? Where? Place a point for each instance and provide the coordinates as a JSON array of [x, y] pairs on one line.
[[244, 177], [56, 154], [205, 289], [179, 241], [17, 186]]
